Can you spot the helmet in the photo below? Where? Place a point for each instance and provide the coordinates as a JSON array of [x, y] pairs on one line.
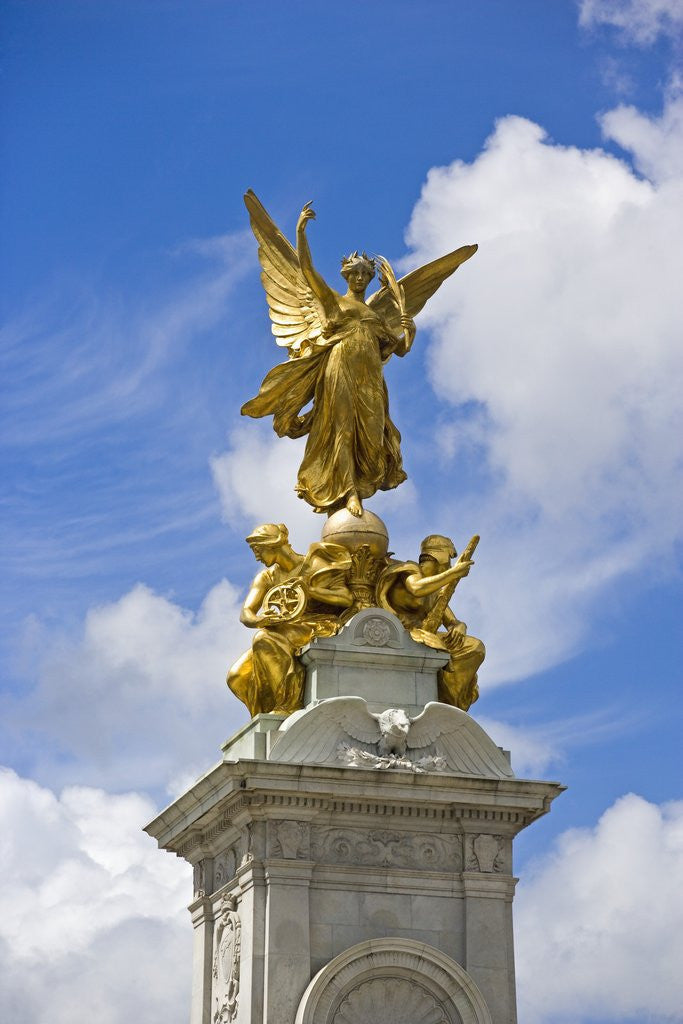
[[269, 533]]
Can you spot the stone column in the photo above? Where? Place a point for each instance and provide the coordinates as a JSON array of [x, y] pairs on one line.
[[287, 940], [489, 891], [201, 911], [252, 910]]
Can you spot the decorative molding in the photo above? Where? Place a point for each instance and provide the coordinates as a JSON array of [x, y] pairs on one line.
[[390, 1001], [199, 883], [392, 962], [362, 579], [376, 631], [224, 867], [289, 839], [251, 847], [383, 848], [355, 757], [485, 852], [226, 962]]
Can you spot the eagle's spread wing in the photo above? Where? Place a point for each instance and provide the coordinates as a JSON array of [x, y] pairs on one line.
[[314, 735], [450, 733], [294, 310]]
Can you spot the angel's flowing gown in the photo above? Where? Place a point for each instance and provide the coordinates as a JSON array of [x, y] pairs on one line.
[[352, 445]]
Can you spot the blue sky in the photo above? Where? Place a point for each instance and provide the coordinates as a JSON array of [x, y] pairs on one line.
[[539, 407]]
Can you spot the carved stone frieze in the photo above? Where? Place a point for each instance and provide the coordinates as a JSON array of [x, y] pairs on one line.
[[414, 810], [199, 879], [356, 757], [226, 962], [224, 867], [384, 848], [246, 845], [485, 852], [252, 843], [289, 839], [390, 1001]]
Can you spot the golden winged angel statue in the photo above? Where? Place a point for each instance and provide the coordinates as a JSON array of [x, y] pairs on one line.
[[337, 345]]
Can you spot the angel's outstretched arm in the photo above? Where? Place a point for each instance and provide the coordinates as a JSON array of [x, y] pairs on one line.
[[322, 291]]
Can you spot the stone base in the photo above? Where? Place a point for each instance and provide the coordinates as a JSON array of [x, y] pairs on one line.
[[253, 740], [373, 657], [353, 862], [322, 892]]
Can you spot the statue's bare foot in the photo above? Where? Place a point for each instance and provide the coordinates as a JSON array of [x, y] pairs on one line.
[[354, 506]]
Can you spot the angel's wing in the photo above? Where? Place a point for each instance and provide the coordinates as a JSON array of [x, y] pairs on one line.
[[419, 285], [294, 310], [313, 736], [448, 732]]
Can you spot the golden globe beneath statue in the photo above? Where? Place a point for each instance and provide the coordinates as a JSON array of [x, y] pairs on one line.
[[352, 532]]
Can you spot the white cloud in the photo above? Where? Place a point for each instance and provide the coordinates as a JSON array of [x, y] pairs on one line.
[[255, 480], [139, 696], [95, 915], [641, 21], [601, 915], [656, 142], [563, 333]]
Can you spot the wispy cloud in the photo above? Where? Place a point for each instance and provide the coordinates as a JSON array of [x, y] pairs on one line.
[[544, 746], [101, 423], [71, 367], [638, 21]]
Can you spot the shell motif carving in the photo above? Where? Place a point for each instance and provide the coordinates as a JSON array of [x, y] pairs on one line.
[[390, 1001]]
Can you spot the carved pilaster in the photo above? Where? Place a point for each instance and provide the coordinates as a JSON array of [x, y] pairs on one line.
[[227, 962], [202, 921]]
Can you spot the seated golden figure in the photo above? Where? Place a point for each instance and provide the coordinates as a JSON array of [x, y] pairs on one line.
[[293, 599], [419, 594]]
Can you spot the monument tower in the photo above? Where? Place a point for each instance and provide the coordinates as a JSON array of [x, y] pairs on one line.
[[352, 850]]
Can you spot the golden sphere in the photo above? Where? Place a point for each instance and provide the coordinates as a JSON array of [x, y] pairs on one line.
[[354, 531]]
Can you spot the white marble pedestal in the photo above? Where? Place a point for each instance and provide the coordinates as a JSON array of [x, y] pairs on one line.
[[326, 894]]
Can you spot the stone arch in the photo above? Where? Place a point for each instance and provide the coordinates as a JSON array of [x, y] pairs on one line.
[[400, 979]]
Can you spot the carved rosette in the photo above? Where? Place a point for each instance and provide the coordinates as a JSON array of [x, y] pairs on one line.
[[376, 631], [226, 962], [390, 1001], [383, 848]]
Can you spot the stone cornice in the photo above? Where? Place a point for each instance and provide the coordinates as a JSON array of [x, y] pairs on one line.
[[232, 794]]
